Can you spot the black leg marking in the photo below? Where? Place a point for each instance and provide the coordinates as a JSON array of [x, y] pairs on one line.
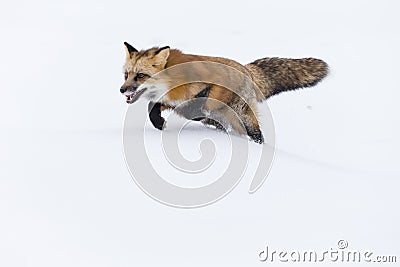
[[216, 124], [204, 93], [254, 135], [155, 115], [193, 109]]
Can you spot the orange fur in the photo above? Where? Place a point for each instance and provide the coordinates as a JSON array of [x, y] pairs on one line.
[[238, 108]]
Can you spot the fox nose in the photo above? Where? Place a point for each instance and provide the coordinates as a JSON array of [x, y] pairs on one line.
[[123, 89]]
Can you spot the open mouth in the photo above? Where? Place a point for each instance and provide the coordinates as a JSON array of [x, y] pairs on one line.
[[132, 97]]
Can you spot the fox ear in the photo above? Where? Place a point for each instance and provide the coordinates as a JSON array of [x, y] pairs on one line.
[[161, 55], [129, 50]]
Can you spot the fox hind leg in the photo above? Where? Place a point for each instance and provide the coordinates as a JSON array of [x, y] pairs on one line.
[[243, 123], [249, 120], [255, 135], [236, 113], [212, 122], [251, 125]]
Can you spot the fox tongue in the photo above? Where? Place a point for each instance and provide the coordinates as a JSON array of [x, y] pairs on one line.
[[129, 97], [134, 96]]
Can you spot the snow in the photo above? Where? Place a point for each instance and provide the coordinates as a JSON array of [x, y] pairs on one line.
[[66, 195]]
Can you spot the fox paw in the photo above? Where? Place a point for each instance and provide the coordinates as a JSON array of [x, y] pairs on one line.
[[160, 123], [256, 137]]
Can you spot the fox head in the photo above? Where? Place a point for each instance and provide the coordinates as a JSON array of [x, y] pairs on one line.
[[139, 67]]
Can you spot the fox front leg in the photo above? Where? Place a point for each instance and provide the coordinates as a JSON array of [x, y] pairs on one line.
[[154, 110]]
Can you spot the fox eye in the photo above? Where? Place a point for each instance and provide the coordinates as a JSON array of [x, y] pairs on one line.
[[140, 75], [126, 76]]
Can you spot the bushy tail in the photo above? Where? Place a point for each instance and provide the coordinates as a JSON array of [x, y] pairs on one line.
[[276, 75]]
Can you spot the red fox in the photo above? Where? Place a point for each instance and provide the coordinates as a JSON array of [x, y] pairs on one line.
[[269, 76]]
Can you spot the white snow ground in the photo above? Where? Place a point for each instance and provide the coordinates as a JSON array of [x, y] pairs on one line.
[[66, 196]]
